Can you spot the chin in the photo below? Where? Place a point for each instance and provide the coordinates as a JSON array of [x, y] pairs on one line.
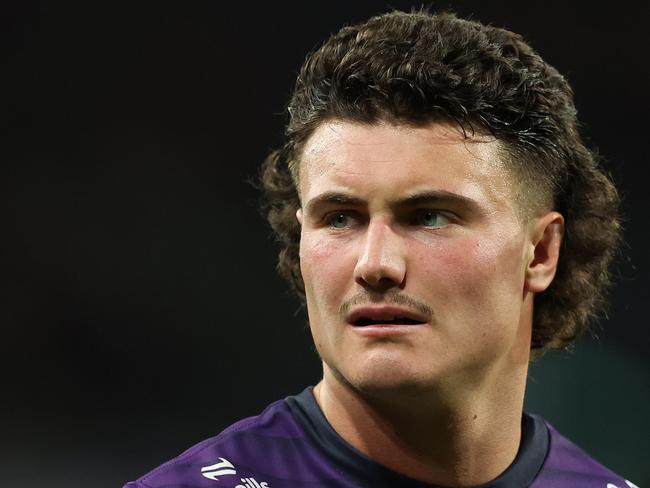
[[388, 381]]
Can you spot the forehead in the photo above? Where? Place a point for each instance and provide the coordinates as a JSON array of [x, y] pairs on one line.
[[384, 159]]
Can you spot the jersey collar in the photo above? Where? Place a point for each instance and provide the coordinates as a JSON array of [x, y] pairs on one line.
[[365, 472]]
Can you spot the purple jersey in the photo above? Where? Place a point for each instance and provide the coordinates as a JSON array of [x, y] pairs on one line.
[[291, 445]]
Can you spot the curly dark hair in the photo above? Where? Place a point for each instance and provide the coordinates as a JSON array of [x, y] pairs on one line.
[[417, 68]]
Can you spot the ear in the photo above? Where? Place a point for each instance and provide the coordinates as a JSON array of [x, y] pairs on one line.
[[546, 239], [299, 215]]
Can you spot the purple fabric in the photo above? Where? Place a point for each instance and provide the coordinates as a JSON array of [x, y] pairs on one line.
[[270, 448], [291, 445], [567, 465]]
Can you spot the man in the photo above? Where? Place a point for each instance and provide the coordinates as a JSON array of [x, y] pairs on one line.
[[442, 220]]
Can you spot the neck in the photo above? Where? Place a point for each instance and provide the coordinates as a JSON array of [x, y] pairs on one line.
[[461, 442]]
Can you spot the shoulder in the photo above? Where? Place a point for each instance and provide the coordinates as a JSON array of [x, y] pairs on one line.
[[241, 449], [567, 465]]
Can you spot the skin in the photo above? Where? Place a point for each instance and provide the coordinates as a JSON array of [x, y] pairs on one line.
[[465, 262]]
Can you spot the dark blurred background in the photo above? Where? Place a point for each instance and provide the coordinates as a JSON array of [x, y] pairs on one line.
[[139, 305]]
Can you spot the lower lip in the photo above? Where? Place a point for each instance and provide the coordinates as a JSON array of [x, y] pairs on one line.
[[386, 330]]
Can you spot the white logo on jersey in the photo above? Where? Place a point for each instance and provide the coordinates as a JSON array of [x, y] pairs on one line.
[[224, 467], [628, 483], [252, 483]]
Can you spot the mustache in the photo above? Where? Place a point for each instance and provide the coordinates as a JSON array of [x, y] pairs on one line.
[[393, 297]]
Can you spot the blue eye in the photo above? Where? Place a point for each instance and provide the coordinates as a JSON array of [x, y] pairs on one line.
[[338, 220], [431, 218]]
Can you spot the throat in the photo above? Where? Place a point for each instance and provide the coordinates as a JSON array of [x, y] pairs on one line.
[[449, 448]]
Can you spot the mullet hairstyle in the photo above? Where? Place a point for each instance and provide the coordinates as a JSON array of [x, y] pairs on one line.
[[417, 68]]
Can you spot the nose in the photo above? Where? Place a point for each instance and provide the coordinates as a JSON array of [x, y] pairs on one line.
[[381, 262]]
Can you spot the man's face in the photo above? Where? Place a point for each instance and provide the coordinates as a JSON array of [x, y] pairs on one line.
[[412, 255]]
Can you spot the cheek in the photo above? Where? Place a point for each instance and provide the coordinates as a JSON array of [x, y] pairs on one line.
[[480, 274], [326, 265]]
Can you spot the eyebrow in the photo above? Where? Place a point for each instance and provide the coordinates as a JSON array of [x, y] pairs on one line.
[[418, 198]]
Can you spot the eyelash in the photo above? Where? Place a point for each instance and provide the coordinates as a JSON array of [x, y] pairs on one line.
[[413, 217], [329, 218]]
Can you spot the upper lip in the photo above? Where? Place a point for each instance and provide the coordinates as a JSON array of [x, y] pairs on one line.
[[381, 313]]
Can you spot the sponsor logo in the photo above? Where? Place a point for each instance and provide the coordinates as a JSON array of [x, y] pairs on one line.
[[214, 470], [224, 467], [252, 483], [628, 483]]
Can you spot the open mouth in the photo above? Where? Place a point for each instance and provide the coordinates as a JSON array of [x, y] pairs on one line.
[[366, 321], [386, 315]]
